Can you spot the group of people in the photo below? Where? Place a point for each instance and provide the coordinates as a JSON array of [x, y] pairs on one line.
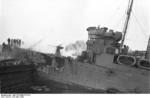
[[11, 42], [14, 42]]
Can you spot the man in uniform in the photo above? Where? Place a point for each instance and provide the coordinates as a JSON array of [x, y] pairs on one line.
[[116, 55]]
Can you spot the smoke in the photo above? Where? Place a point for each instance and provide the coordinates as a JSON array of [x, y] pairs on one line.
[[75, 49]]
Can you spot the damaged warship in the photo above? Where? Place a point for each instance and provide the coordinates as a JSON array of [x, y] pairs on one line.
[[96, 68], [105, 67]]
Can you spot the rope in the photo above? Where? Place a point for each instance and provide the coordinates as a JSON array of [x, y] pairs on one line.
[[113, 15], [119, 21], [142, 30]]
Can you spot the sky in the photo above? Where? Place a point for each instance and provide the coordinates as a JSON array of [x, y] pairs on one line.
[[57, 22]]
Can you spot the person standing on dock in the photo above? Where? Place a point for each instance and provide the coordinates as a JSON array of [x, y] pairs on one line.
[[11, 42], [8, 41], [3, 47]]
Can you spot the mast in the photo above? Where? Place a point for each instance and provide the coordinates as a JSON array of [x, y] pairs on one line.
[[147, 56], [127, 21]]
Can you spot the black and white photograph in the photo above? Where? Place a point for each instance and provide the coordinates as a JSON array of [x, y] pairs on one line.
[[74, 47]]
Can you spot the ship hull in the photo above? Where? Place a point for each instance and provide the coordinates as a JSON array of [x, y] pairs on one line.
[[96, 78], [62, 87]]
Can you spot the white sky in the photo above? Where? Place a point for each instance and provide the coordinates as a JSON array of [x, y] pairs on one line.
[[65, 21]]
